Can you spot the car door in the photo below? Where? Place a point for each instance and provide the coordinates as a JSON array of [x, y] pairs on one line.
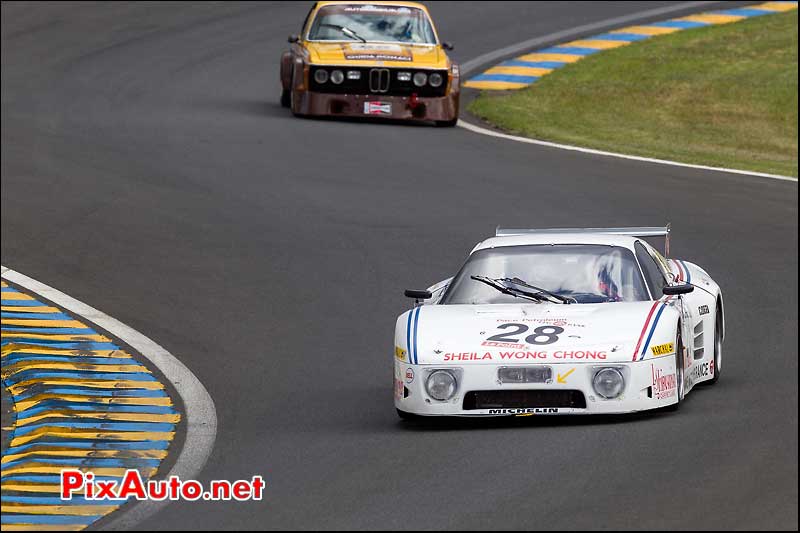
[[657, 275], [700, 306], [697, 327]]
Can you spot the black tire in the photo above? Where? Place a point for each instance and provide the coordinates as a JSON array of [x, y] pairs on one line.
[[286, 98], [680, 372], [407, 416], [717, 348], [447, 123]]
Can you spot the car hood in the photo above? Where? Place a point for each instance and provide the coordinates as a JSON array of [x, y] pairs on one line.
[[377, 54], [535, 333]]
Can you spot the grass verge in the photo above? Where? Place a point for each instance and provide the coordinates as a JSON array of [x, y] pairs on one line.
[[720, 95]]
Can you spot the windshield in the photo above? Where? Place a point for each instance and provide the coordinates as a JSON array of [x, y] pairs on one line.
[[354, 22], [587, 273]]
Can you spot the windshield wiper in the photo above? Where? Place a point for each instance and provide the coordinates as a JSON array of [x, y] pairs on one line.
[[347, 31], [512, 291], [541, 291]]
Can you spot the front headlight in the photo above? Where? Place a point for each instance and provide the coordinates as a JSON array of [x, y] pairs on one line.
[[441, 385], [321, 76], [420, 79], [435, 79], [337, 77], [608, 383]]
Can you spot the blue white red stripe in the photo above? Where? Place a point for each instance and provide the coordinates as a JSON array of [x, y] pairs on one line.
[[416, 323], [649, 328], [408, 337], [679, 276], [653, 327], [411, 335], [686, 270]]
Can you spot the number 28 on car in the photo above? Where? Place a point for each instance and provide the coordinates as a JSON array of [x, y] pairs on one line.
[[559, 321], [370, 59]]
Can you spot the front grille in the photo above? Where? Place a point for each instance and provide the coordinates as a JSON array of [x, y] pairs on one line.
[[377, 81], [514, 399]]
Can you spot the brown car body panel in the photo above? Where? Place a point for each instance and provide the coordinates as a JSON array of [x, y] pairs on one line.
[[438, 109]]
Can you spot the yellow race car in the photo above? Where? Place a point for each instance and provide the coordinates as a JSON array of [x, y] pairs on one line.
[[370, 59]]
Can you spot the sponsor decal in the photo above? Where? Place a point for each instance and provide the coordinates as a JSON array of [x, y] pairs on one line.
[[400, 353], [376, 47], [560, 322], [409, 375], [700, 371], [375, 9], [525, 411], [377, 57], [562, 378], [369, 8], [589, 355], [376, 52], [377, 108], [467, 356], [664, 385], [495, 344], [398, 389], [522, 355], [663, 349], [703, 310], [513, 332], [580, 354]]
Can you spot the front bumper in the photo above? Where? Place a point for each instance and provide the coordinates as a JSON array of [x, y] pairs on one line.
[[444, 108], [649, 384]]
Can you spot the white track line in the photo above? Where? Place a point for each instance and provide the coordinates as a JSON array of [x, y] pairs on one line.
[[484, 131], [201, 416], [602, 25]]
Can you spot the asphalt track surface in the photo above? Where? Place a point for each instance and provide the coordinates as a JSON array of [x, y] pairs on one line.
[[148, 170]]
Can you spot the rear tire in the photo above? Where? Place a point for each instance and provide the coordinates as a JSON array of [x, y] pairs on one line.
[[286, 98], [679, 372]]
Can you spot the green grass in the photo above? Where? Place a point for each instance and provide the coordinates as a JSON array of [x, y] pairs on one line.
[[721, 95]]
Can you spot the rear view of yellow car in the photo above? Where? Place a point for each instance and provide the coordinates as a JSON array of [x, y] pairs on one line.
[[370, 59]]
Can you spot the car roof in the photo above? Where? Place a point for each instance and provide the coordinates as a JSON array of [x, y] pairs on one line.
[[624, 241], [361, 3]]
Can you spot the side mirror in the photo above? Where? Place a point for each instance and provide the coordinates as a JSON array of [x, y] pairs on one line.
[[447, 46], [676, 290], [294, 38], [418, 295]]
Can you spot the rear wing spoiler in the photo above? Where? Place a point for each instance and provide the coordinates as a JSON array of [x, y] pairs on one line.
[[644, 231]]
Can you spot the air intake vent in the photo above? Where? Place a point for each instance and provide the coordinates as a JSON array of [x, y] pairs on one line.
[[497, 399], [698, 340]]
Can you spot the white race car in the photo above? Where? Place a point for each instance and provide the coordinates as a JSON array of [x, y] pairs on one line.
[[559, 321]]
